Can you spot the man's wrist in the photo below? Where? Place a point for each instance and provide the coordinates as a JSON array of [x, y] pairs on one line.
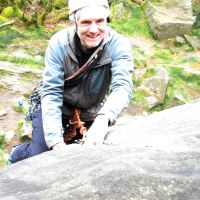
[[57, 145], [103, 117]]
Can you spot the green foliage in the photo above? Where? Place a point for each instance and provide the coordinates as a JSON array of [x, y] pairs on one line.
[[4, 4], [19, 13], [7, 12], [3, 20]]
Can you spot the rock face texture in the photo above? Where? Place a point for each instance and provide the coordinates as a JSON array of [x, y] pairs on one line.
[[152, 157], [170, 18]]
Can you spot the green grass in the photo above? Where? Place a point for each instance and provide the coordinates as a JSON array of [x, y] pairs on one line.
[[177, 73], [8, 35], [3, 144], [150, 72], [167, 53], [19, 128], [188, 85], [163, 55], [190, 59], [33, 41], [22, 61], [196, 32], [133, 23], [19, 108], [4, 72], [139, 96], [15, 35], [2, 159]]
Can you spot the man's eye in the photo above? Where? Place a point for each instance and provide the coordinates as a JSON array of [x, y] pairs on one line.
[[100, 21], [85, 23]]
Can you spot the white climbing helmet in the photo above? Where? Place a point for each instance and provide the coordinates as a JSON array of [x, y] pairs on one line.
[[75, 5]]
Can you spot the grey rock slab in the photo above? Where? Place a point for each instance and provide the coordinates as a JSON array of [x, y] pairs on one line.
[[193, 41], [16, 80], [106, 172], [177, 128], [154, 157]]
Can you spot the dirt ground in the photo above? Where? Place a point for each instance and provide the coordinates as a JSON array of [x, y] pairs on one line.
[[9, 121]]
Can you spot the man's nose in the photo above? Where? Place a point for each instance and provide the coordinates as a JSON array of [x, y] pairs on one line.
[[93, 27]]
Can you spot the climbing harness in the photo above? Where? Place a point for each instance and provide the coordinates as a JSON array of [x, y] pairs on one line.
[[34, 101]]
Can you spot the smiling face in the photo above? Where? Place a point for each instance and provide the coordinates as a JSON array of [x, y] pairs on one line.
[[91, 25]]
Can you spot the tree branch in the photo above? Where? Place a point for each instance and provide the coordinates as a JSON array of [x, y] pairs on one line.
[[7, 23]]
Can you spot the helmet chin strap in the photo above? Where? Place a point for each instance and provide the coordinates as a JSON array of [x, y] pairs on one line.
[[75, 21]]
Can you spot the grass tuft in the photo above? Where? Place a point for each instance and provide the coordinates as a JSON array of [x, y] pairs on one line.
[[133, 23]]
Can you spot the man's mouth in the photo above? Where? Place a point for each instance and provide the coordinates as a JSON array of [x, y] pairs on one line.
[[93, 37]]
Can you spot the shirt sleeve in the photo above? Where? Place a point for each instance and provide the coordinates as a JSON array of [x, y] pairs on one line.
[[121, 83], [52, 98]]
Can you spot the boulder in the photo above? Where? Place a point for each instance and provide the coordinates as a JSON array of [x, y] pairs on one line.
[[193, 41], [152, 157], [15, 74], [170, 18], [155, 85], [118, 11]]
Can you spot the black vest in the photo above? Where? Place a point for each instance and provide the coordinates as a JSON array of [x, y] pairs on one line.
[[87, 92]]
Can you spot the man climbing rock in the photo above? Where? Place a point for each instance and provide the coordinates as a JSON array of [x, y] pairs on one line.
[[87, 82]]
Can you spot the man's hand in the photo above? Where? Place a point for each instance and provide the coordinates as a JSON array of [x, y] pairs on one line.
[[60, 145], [96, 133]]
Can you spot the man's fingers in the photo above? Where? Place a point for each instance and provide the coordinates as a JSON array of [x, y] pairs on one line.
[[59, 146]]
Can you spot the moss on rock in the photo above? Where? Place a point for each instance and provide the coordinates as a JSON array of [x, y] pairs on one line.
[[60, 4], [3, 19], [7, 12]]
